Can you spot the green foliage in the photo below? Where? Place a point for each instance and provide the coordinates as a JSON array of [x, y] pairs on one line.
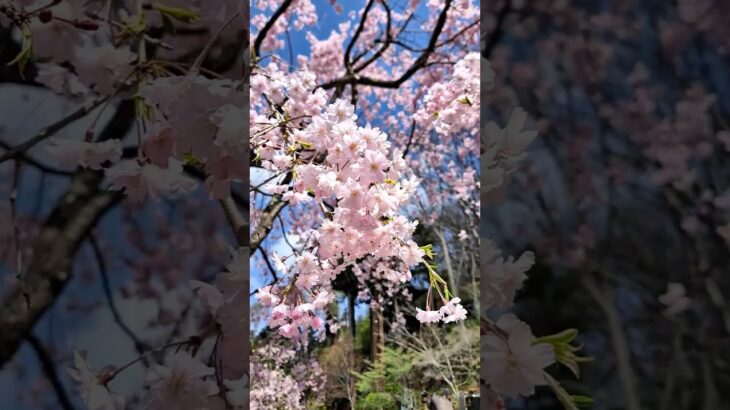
[[26, 50], [382, 386], [564, 350], [377, 401], [565, 355], [363, 338]]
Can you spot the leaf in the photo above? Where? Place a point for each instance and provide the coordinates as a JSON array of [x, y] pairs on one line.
[[465, 101], [566, 336], [177, 13], [582, 401], [141, 108], [564, 350], [427, 250], [571, 365], [190, 159], [137, 25], [26, 50]]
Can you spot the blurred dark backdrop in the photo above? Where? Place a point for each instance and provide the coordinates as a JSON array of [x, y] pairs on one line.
[[625, 191]]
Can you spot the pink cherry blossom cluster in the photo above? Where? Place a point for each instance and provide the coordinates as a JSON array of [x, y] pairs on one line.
[[282, 379], [379, 282], [223, 300], [502, 278], [448, 106], [348, 171], [511, 363], [452, 311], [195, 117]]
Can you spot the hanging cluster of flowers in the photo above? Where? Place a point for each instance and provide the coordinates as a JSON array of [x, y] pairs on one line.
[[354, 176]]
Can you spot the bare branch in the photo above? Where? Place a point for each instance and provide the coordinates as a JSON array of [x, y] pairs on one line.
[[496, 35], [268, 264], [49, 370], [53, 250], [52, 129], [355, 36], [238, 223], [417, 65], [35, 163], [138, 344], [269, 24]]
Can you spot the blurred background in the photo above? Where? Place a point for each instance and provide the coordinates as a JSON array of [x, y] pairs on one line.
[[624, 197]]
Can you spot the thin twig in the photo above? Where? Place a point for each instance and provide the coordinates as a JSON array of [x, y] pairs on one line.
[[49, 370], [53, 129], [138, 344], [269, 24]]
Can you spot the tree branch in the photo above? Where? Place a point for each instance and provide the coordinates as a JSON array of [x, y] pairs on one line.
[[496, 35], [52, 129], [417, 65], [53, 250], [266, 221], [269, 24], [35, 163], [268, 264], [355, 36], [238, 223], [49, 369], [56, 244], [618, 340], [386, 43], [138, 344]]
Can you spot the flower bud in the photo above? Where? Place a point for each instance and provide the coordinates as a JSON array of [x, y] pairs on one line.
[[45, 16]]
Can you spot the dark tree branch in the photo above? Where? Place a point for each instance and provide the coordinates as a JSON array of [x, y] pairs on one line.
[[458, 34], [269, 24], [283, 233], [417, 65], [386, 43], [266, 221], [49, 370], [55, 247], [138, 344], [355, 36], [239, 224], [37, 164], [498, 32], [410, 139], [268, 264], [52, 129], [388, 35]]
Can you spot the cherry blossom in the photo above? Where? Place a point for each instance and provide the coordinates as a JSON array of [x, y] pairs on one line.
[[179, 384], [515, 366], [94, 391], [92, 155], [675, 299], [141, 181]]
